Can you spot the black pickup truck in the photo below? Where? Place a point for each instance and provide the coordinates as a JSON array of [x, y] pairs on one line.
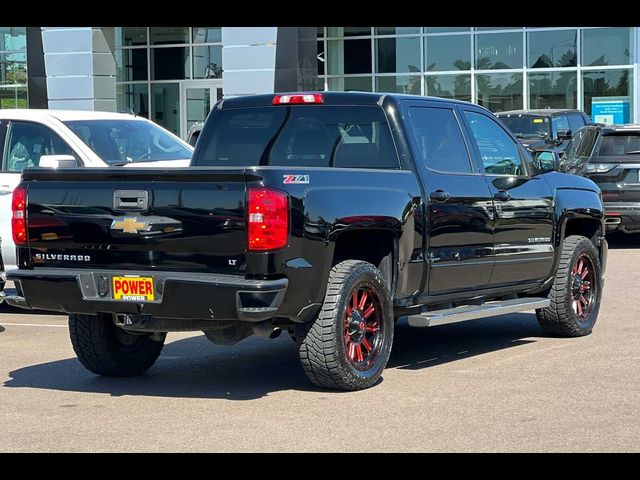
[[325, 215]]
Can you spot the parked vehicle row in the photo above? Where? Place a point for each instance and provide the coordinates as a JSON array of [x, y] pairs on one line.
[[64, 138], [324, 215]]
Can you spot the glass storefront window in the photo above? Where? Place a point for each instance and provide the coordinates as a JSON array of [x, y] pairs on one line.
[[321, 57], [207, 34], [396, 30], [131, 64], [13, 38], [606, 46], [446, 29], [398, 55], [349, 56], [499, 50], [168, 35], [133, 97], [556, 48], [345, 84], [13, 68], [207, 62], [130, 36], [486, 29], [348, 31], [448, 52], [499, 91], [553, 90], [449, 86], [171, 63], [13, 97], [409, 84], [606, 83], [166, 106]]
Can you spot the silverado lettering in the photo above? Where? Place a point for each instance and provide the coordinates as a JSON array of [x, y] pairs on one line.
[[421, 208]]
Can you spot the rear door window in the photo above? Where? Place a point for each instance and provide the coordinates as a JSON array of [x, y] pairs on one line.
[[303, 136]]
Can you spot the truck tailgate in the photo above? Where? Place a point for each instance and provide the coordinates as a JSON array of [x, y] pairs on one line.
[[188, 220]]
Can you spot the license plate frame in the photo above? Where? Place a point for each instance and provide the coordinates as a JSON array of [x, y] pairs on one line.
[[132, 288]]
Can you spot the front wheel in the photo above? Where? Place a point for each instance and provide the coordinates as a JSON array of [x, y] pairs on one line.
[[576, 291], [348, 345]]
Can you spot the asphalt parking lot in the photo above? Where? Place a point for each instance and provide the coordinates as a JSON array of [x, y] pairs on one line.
[[485, 385]]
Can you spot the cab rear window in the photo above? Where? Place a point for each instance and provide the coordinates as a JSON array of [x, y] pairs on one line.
[[302, 136]]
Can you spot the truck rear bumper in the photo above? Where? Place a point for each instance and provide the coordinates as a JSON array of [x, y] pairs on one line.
[[177, 295], [625, 218]]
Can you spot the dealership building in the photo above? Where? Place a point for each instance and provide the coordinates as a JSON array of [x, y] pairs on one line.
[[173, 75]]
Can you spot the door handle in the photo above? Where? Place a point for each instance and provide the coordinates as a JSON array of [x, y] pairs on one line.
[[439, 196], [502, 195], [5, 189]]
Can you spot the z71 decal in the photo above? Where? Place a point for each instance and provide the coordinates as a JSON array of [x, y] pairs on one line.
[[288, 179]]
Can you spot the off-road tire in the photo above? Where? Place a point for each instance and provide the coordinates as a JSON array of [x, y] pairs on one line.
[[560, 319], [105, 349], [323, 350]]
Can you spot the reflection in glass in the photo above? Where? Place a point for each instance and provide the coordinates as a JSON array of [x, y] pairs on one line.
[[170, 63], [207, 34], [321, 57], [553, 90], [499, 91], [409, 84], [448, 52], [169, 35], [485, 29], [166, 105], [396, 30], [348, 31], [552, 49], [130, 36], [13, 97], [606, 46], [400, 54], [499, 50], [13, 38], [133, 97], [606, 83], [207, 62], [349, 56], [446, 29], [131, 64], [13, 68], [449, 86], [346, 84]]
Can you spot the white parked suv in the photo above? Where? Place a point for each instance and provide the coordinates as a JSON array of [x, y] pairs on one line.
[[60, 138]]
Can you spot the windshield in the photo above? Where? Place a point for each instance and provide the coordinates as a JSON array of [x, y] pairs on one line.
[[119, 142], [618, 145], [527, 126], [303, 136]]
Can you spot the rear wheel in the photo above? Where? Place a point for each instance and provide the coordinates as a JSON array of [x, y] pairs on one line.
[[347, 347], [105, 349], [576, 291]]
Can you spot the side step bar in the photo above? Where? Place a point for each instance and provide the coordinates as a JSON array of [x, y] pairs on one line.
[[471, 312]]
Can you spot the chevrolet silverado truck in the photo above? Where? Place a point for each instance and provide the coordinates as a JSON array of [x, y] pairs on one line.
[[328, 216]]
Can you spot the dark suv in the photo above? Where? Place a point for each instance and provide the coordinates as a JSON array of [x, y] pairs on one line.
[[610, 156], [547, 129]]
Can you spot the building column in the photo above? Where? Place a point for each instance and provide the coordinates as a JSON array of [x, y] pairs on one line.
[[80, 68], [269, 59]]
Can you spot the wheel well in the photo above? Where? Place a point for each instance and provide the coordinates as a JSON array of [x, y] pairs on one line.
[[374, 246], [584, 227]]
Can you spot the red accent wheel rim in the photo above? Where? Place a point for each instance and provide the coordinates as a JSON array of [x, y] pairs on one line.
[[363, 328], [583, 287]]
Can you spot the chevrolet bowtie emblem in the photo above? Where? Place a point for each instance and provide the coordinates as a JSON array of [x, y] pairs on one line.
[[130, 224]]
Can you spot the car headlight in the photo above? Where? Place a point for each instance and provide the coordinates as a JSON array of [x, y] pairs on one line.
[[599, 167]]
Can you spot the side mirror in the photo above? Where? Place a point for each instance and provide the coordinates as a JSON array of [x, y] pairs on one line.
[[564, 134], [547, 161], [58, 161]]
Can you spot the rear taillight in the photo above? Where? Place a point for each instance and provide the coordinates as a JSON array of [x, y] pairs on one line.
[[19, 217], [268, 218], [298, 99]]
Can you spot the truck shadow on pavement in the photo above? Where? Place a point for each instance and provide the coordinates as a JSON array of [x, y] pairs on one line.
[[194, 368], [621, 241]]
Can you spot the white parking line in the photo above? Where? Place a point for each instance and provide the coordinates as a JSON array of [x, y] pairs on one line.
[[33, 325]]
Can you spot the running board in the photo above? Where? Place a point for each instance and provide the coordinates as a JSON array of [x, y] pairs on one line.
[[471, 312]]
